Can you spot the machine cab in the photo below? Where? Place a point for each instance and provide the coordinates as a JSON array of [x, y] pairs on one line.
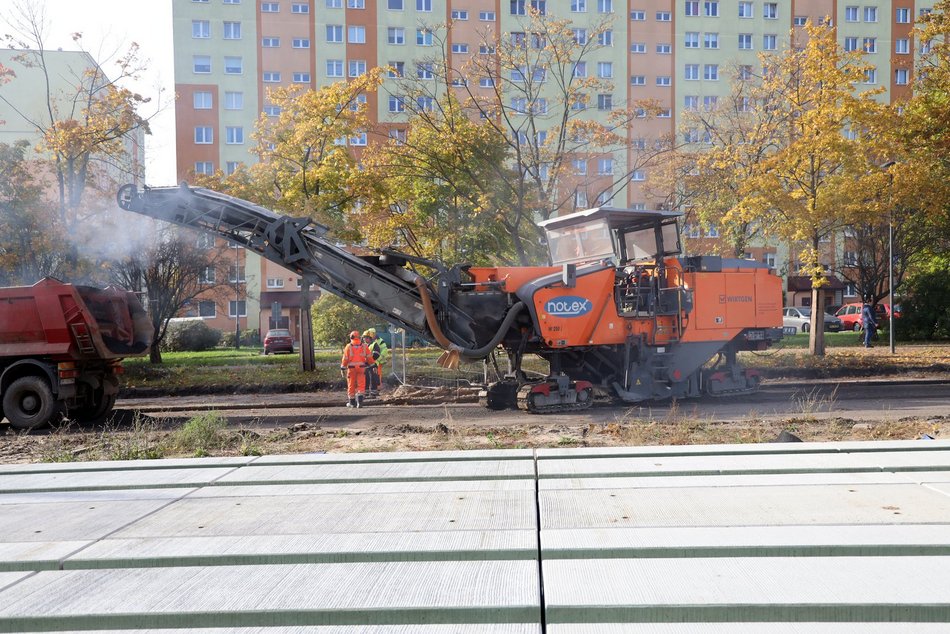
[[636, 242], [621, 235]]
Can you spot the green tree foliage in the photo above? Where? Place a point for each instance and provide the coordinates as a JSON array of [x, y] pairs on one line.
[[190, 336], [334, 319], [926, 311]]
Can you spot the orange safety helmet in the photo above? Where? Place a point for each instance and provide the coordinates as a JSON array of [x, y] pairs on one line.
[[355, 335]]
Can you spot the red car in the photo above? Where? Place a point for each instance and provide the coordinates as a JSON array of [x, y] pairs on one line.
[[850, 315], [278, 340]]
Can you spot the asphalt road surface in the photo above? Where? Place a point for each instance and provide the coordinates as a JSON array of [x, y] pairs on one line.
[[885, 400]]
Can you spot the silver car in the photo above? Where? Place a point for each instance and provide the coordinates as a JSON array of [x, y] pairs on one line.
[[800, 318]]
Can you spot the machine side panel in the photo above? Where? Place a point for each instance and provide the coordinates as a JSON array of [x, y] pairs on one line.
[[768, 300], [739, 299], [708, 311], [576, 316]]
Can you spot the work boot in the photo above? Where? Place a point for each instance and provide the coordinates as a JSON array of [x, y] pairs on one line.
[[352, 403], [359, 400]]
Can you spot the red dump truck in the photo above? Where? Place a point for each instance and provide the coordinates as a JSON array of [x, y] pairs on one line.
[[61, 350]]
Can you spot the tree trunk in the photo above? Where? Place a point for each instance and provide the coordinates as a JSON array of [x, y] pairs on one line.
[[155, 350], [816, 339], [307, 360]]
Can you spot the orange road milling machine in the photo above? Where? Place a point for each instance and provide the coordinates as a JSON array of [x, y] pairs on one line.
[[619, 310]]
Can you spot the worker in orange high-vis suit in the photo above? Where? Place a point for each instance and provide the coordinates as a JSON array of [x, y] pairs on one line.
[[356, 356]]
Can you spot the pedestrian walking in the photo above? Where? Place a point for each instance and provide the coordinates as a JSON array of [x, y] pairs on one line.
[[356, 358], [869, 323]]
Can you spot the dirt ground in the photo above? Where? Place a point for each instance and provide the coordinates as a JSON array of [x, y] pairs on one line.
[[385, 426]]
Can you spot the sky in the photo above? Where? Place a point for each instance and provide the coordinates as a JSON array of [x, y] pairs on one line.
[[112, 25]]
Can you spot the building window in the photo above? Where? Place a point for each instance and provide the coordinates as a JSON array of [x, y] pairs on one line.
[[710, 40], [424, 5], [605, 166], [233, 100], [664, 80], [237, 308], [359, 139], [270, 7], [605, 6], [231, 167], [334, 33], [334, 68], [334, 4], [745, 10], [580, 69], [711, 72], [486, 82], [580, 199], [664, 16], [605, 70], [396, 104], [234, 135], [745, 72], [580, 167], [424, 71], [851, 14], [396, 35], [202, 100], [396, 69], [204, 167], [902, 16], [201, 63], [580, 36], [395, 5], [745, 41], [691, 103], [423, 37], [870, 14], [355, 4], [902, 46], [233, 65], [770, 11], [711, 8], [605, 38], [301, 42], [207, 275], [578, 6], [664, 49], [605, 101], [638, 47], [356, 34], [301, 78], [270, 42], [900, 76], [270, 77], [200, 29], [486, 16], [460, 48], [232, 1], [691, 72], [299, 8], [691, 39], [870, 76], [870, 45], [275, 282], [425, 104], [207, 308], [519, 7], [850, 290], [638, 175], [850, 44], [638, 16], [710, 102], [692, 8], [769, 42], [272, 111], [204, 135], [712, 231], [800, 20], [460, 15], [357, 67], [232, 30], [638, 80]]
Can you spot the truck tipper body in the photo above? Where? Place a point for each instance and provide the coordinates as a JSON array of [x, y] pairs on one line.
[[61, 348]]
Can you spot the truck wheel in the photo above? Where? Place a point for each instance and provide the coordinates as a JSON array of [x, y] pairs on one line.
[[29, 403], [96, 409]]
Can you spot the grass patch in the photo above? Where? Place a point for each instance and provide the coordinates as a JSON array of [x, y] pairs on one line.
[[201, 436]]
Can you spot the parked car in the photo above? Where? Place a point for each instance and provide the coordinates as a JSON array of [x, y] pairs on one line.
[[278, 340], [850, 315], [800, 318]]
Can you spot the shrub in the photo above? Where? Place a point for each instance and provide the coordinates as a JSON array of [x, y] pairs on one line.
[[334, 319], [190, 336], [201, 435], [249, 337]]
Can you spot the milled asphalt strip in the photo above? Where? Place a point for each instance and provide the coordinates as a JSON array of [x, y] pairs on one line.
[[138, 519]]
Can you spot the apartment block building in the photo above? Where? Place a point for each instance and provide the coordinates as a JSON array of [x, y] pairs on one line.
[[681, 53]]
